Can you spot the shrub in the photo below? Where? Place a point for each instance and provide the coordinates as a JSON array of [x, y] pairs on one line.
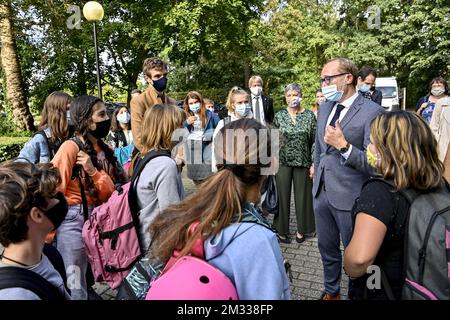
[[11, 146]]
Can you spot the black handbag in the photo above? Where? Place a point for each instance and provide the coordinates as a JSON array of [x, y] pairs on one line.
[[271, 200]]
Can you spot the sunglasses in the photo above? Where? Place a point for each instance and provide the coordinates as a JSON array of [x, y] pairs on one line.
[[327, 79]]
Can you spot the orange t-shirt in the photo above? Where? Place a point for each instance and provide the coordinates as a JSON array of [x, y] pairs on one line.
[[65, 159]]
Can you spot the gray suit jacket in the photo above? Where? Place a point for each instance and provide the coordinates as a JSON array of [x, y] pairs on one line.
[[343, 179]]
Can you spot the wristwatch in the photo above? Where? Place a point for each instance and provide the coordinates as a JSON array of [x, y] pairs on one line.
[[344, 149]]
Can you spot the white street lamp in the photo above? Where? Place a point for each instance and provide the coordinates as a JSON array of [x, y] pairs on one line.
[[93, 12]]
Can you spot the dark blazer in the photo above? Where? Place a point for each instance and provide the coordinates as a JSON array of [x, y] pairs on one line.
[[377, 96], [268, 108], [343, 179]]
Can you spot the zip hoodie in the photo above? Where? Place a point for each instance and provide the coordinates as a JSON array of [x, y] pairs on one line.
[[249, 254]]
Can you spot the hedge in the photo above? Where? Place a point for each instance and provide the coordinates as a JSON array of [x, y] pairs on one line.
[[11, 146], [217, 95]]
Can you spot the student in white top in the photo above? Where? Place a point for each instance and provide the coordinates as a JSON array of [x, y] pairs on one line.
[[238, 107]]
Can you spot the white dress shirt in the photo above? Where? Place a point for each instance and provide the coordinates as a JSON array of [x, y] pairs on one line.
[[347, 104], [261, 108]]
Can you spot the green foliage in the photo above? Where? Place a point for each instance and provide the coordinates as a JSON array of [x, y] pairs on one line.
[[216, 95], [214, 45], [11, 146]]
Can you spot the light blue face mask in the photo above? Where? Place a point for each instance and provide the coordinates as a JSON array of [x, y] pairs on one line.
[[195, 107], [331, 93], [364, 88], [242, 109]]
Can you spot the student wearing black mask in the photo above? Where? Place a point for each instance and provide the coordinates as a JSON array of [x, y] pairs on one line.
[[89, 172], [31, 207], [155, 74]]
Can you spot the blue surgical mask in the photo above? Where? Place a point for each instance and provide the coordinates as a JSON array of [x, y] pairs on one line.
[[331, 93], [242, 109], [195, 107], [160, 84], [124, 117], [364, 88]]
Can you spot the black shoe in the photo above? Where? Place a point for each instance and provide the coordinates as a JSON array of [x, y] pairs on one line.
[[92, 295], [300, 239], [284, 239]]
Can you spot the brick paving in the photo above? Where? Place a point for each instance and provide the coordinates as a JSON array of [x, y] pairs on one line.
[[307, 271]]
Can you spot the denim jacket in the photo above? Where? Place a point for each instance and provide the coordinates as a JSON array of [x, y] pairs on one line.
[[36, 149]]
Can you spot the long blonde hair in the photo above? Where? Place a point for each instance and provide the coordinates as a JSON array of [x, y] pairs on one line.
[[160, 121], [407, 151]]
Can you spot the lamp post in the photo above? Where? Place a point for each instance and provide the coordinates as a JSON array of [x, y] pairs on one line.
[[93, 12]]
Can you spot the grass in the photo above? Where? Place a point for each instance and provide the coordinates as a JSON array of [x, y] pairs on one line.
[[13, 140]]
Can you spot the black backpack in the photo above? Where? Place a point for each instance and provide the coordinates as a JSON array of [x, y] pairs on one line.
[[52, 147], [15, 277]]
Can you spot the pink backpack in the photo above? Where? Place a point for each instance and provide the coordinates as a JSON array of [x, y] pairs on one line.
[[110, 234]]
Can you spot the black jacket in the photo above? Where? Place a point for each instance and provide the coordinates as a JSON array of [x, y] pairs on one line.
[[267, 103]]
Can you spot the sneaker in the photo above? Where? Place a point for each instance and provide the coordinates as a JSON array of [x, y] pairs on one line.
[[327, 296]]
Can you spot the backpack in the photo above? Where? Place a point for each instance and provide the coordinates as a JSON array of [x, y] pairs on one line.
[[191, 277], [16, 277], [426, 264], [110, 233]]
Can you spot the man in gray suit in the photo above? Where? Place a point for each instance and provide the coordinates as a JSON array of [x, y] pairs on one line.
[[340, 164]]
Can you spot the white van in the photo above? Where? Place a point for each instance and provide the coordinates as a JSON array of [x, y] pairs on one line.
[[389, 89]]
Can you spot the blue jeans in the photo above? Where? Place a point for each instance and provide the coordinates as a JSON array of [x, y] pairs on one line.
[[69, 243]]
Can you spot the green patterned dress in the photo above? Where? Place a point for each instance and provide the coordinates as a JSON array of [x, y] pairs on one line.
[[297, 137]]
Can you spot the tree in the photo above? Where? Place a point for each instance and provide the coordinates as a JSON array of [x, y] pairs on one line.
[[22, 118]]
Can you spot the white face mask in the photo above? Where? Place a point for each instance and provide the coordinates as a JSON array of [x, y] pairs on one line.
[[437, 91], [295, 102], [124, 117], [256, 91]]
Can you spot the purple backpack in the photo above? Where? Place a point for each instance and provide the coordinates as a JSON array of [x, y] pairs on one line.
[[110, 234]]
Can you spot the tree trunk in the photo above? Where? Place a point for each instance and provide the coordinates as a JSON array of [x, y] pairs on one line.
[[15, 92]]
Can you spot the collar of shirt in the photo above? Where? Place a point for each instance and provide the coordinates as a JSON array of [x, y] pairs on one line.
[[348, 102]]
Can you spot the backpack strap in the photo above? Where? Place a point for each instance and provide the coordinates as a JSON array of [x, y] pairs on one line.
[[76, 174], [57, 261], [47, 142], [140, 165], [226, 120], [15, 277]]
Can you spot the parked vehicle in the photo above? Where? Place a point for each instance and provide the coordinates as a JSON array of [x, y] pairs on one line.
[[390, 91]]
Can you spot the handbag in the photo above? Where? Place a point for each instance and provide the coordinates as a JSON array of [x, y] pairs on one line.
[[271, 200]]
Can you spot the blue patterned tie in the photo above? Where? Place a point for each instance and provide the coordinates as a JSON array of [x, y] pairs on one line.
[[339, 108]]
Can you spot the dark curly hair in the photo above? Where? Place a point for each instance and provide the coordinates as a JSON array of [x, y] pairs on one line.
[[82, 109], [23, 186]]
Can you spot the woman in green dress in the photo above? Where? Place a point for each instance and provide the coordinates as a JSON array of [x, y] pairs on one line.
[[297, 127]]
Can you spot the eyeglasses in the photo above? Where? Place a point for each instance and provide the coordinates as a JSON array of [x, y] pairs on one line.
[[327, 79]]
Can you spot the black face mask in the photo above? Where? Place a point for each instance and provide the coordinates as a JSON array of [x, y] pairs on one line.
[[58, 212], [101, 129], [160, 84]]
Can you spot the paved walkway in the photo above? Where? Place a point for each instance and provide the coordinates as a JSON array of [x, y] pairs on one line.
[[307, 271]]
